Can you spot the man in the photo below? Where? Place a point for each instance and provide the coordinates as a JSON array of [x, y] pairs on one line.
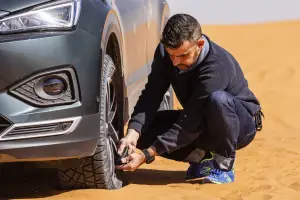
[[220, 114]]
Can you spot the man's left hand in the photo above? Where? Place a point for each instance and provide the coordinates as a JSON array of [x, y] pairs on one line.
[[132, 162]]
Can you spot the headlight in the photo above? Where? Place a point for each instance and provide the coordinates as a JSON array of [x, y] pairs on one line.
[[59, 16]]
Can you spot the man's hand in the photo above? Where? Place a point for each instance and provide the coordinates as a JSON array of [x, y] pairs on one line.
[[133, 161], [129, 140]]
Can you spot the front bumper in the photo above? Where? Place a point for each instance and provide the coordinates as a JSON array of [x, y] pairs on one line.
[[24, 55], [76, 144]]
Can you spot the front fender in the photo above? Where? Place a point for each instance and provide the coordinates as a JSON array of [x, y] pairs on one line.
[[112, 26]]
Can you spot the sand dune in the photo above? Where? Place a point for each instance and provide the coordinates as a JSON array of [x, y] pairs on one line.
[[268, 169]]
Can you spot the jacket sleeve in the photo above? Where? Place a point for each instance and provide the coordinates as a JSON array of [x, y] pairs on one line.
[[152, 96], [190, 124]]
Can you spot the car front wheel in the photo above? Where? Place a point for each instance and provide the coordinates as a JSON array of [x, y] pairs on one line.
[[98, 171]]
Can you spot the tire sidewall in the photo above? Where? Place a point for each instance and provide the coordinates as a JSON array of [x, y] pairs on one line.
[[115, 176]]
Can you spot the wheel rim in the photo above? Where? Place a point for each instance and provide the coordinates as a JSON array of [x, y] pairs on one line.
[[167, 101], [111, 110], [165, 105]]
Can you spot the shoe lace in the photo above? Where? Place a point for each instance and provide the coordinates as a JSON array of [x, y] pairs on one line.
[[216, 172]]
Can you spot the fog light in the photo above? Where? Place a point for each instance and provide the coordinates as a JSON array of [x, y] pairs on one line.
[[54, 86], [51, 87]]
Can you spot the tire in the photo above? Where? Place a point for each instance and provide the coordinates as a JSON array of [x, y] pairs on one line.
[[98, 171]]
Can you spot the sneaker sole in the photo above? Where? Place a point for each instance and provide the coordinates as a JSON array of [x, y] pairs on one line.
[[194, 179], [207, 181], [203, 180]]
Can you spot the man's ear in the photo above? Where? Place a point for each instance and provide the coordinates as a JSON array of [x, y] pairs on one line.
[[200, 43]]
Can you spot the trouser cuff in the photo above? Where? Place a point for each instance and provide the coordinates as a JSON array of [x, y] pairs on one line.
[[195, 156], [223, 162]]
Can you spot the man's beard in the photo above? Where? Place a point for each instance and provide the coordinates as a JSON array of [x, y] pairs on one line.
[[183, 67]]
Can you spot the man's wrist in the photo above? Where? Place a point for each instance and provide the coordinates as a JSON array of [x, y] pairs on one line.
[[152, 151], [148, 155]]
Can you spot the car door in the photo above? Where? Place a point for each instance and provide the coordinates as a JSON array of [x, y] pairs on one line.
[[134, 23], [154, 16]]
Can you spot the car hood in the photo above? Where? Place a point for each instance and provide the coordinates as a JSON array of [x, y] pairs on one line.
[[15, 5]]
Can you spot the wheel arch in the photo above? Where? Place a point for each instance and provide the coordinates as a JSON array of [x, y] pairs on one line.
[[112, 35], [112, 43]]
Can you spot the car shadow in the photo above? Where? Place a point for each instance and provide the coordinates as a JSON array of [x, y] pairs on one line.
[[18, 181], [29, 182]]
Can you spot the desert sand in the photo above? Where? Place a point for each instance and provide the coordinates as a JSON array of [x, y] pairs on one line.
[[268, 169]]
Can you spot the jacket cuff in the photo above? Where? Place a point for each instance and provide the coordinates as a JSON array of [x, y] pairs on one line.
[[136, 126], [159, 147]]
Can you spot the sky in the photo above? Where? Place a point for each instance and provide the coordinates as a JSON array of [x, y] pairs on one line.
[[238, 11]]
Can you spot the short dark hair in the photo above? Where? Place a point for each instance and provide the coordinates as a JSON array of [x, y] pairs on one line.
[[180, 28]]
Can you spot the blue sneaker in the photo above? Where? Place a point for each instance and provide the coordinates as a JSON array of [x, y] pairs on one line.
[[218, 176], [198, 171]]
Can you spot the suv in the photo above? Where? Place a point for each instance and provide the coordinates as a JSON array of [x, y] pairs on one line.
[[71, 72]]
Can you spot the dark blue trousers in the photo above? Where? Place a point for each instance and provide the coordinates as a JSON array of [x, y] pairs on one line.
[[229, 127]]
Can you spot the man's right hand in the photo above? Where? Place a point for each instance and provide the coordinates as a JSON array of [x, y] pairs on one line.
[[129, 140]]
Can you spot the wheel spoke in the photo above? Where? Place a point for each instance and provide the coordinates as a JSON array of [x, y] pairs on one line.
[[113, 97], [112, 104], [111, 109], [111, 114], [167, 103], [113, 133], [108, 94], [113, 143]]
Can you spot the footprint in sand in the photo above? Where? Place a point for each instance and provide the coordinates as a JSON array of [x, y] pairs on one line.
[[295, 186], [267, 197]]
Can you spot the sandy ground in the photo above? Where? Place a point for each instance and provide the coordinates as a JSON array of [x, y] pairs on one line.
[[268, 169]]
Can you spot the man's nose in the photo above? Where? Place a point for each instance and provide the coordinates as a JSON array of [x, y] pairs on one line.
[[176, 61]]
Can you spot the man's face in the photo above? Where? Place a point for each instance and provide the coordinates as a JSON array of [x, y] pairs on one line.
[[186, 55]]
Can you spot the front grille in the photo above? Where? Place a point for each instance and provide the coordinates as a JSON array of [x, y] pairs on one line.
[[4, 124]]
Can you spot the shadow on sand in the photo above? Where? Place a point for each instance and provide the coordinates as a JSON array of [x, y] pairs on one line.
[[19, 181]]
